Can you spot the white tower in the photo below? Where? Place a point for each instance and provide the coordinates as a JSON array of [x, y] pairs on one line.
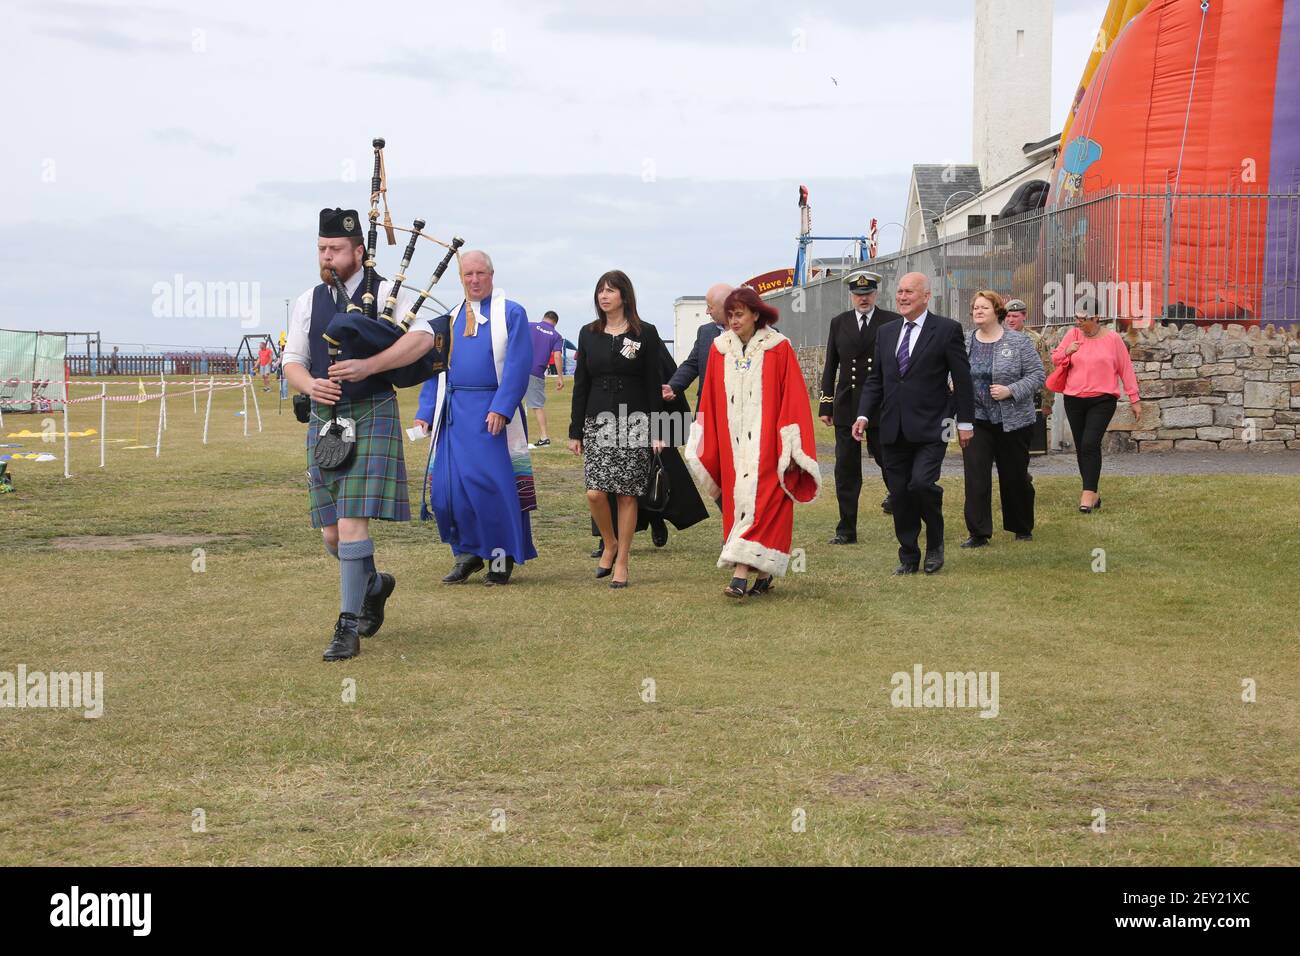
[[1013, 83]]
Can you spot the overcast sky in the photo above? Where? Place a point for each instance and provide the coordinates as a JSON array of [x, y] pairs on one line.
[[202, 139]]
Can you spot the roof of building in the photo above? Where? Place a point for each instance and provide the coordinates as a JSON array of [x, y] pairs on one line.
[[1030, 149], [936, 184]]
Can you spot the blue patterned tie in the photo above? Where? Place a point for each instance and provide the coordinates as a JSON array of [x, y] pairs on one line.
[[904, 352]]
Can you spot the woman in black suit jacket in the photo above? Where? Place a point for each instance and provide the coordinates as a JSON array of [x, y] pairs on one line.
[[617, 397]]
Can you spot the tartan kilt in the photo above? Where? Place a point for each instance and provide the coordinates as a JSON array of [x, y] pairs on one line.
[[373, 485]]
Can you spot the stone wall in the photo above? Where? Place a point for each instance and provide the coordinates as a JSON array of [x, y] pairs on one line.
[[1203, 389]]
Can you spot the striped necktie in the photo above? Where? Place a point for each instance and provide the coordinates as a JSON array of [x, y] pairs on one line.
[[904, 351]]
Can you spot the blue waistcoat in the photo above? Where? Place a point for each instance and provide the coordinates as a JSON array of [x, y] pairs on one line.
[[324, 308]]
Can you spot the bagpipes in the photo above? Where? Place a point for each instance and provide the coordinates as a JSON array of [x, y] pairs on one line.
[[359, 332]]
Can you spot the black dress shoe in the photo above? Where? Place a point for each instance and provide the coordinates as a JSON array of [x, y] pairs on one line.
[[500, 577], [371, 618], [887, 506], [347, 642], [933, 561], [907, 567], [975, 541], [658, 533], [463, 569], [1027, 536], [600, 549], [842, 538]]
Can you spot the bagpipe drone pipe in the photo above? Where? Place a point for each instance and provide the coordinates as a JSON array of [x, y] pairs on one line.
[[361, 333]]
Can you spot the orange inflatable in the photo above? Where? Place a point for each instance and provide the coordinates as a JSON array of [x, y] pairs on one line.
[[1189, 116]]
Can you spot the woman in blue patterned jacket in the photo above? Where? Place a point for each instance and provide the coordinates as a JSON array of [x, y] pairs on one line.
[[1007, 372]]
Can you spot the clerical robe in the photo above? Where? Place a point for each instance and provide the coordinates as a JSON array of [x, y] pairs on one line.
[[479, 487]]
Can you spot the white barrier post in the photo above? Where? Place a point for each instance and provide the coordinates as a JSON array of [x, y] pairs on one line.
[[103, 420], [67, 471], [164, 399], [194, 390], [162, 417], [256, 405], [243, 390], [208, 412]]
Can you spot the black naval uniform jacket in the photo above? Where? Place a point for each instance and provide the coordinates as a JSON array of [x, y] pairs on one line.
[[849, 354]]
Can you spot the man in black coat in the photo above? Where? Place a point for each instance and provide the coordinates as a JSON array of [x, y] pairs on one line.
[[908, 397], [696, 364], [850, 348]]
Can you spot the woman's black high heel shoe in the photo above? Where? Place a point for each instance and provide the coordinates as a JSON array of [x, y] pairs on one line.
[[761, 586], [604, 572]]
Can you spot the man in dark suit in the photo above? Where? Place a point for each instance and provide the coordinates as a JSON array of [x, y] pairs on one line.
[[907, 396], [696, 364], [850, 350]]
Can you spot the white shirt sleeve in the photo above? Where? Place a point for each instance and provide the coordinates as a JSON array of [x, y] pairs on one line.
[[296, 347]]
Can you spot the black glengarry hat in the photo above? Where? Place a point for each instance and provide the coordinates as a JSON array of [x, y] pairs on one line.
[[339, 224]]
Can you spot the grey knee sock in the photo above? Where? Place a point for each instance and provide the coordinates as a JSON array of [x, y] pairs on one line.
[[353, 576]]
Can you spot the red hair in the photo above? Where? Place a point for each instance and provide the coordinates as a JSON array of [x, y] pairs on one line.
[[746, 298]]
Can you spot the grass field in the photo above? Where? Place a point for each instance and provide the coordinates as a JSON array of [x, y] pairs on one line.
[[1120, 691]]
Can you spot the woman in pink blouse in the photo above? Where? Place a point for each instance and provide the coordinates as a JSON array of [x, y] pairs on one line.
[[1096, 362]]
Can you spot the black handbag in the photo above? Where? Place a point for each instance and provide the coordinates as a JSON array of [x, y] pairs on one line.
[[658, 489]]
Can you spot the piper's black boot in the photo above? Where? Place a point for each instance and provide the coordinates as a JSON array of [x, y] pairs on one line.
[[347, 642], [371, 618]]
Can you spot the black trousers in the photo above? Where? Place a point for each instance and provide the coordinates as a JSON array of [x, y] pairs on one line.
[[848, 474], [912, 473], [1088, 419], [991, 445]]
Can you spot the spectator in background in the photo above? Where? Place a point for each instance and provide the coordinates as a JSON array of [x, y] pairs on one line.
[[264, 359], [548, 346], [1017, 313], [1096, 362], [1006, 372], [112, 362]]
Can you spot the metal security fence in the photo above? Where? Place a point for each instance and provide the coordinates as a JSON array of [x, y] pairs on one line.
[[122, 363], [1231, 256]]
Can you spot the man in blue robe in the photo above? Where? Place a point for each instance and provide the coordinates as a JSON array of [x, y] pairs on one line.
[[479, 482]]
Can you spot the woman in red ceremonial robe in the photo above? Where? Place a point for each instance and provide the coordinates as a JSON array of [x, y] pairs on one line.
[[753, 440]]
